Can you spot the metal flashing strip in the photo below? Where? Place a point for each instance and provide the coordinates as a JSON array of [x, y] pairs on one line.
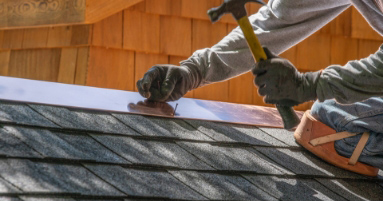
[[109, 100]]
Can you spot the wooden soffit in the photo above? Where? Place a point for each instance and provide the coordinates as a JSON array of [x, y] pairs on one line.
[[31, 13], [108, 100]]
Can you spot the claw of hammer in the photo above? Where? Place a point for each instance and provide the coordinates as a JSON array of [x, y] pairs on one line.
[[235, 7]]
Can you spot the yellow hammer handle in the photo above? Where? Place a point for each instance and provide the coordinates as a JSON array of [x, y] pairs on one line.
[[252, 40], [289, 117]]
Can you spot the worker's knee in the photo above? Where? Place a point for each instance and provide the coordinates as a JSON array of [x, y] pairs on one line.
[[358, 117], [328, 113]]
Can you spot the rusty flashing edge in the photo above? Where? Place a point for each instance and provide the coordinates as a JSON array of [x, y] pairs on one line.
[[118, 101]]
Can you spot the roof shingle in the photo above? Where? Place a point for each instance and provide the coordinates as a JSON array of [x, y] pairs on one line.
[[88, 121], [145, 182], [152, 152], [37, 177], [56, 153]]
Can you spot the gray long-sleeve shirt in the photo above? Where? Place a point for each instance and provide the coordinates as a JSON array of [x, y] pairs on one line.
[[284, 23]]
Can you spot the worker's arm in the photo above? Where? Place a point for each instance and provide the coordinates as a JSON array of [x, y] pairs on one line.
[[279, 25], [356, 81], [281, 83]]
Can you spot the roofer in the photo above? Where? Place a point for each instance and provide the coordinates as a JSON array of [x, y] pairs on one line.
[[339, 89]]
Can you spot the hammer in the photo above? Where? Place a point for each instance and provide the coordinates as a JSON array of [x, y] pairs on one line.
[[238, 10]]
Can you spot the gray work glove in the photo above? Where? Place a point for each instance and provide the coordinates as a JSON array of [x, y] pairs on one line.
[[164, 83], [280, 82]]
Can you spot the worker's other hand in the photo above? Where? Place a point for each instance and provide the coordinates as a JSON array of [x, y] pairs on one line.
[[280, 82], [164, 83]]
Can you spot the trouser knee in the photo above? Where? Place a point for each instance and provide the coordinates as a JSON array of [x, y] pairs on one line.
[[324, 112]]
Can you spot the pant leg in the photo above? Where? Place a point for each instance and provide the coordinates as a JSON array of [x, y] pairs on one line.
[[360, 117]]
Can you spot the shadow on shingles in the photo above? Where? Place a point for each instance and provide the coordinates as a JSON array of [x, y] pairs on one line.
[[234, 133], [224, 132], [7, 187], [327, 173], [285, 189], [301, 191], [319, 189], [354, 190], [301, 162], [161, 127], [151, 152], [44, 177], [22, 114]]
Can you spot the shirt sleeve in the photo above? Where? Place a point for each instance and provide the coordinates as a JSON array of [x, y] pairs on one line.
[[356, 81], [279, 25]]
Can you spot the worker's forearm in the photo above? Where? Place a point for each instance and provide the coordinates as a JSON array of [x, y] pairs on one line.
[[356, 81], [279, 25]]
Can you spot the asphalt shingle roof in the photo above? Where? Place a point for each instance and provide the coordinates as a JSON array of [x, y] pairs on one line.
[[56, 153]]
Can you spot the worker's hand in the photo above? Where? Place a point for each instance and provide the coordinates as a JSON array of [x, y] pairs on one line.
[[280, 82], [164, 83]]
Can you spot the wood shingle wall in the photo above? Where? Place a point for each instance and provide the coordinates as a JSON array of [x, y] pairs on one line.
[[117, 51]]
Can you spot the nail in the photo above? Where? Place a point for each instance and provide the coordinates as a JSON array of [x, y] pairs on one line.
[[174, 113]]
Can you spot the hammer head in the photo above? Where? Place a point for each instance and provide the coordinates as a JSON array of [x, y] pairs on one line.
[[235, 7]]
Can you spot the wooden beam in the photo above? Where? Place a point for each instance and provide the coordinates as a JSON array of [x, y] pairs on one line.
[[197, 9], [164, 7], [141, 7], [28, 13], [32, 13], [97, 10]]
